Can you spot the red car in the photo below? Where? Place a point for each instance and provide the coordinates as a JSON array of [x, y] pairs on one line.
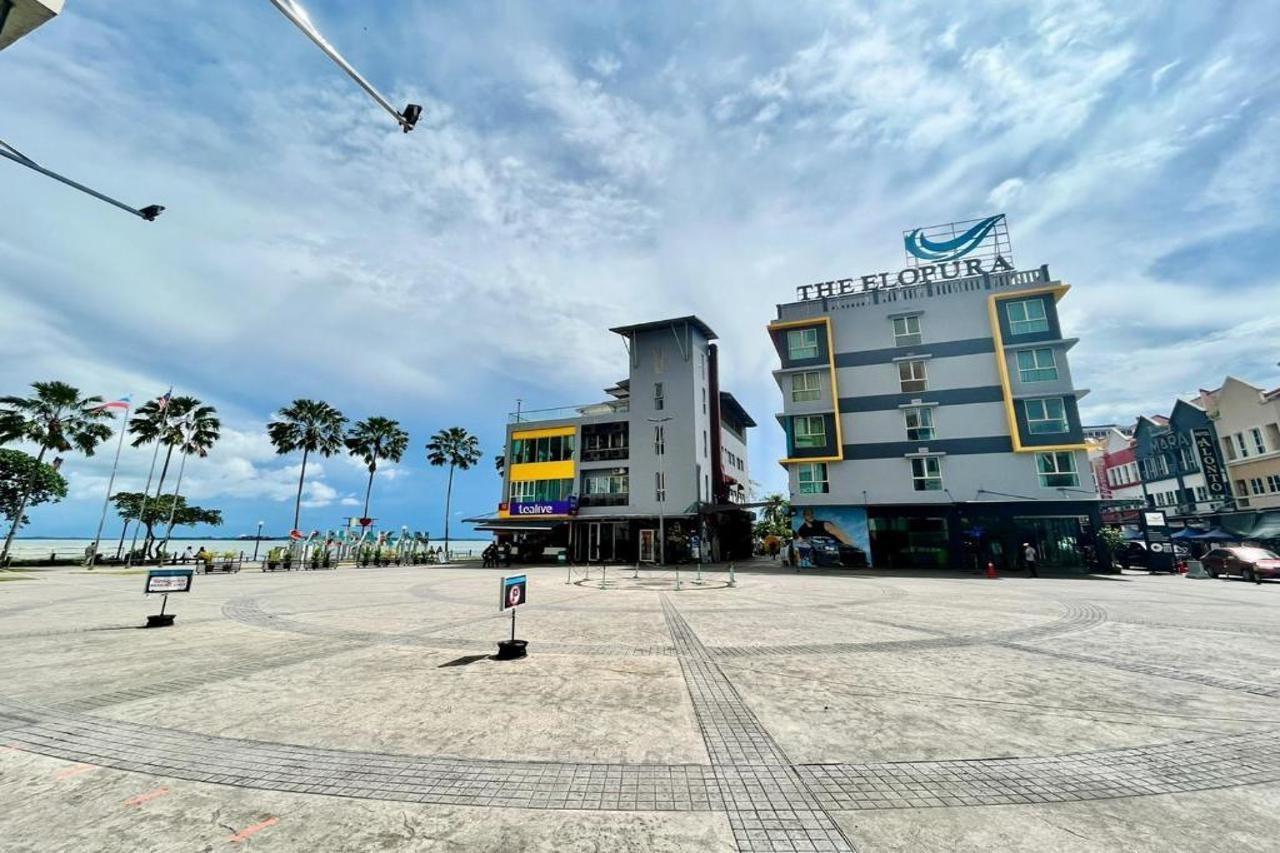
[[1252, 564]]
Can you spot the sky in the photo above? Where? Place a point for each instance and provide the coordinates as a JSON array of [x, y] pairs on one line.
[[580, 166]]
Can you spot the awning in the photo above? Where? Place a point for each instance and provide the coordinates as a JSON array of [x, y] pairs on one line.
[[506, 527], [1187, 533], [1267, 526], [1217, 534]]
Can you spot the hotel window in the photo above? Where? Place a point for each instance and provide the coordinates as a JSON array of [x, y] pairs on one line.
[[802, 343], [1202, 494], [659, 360], [906, 331], [926, 474], [1229, 448], [1037, 365], [1240, 445], [660, 486], [702, 363], [919, 424], [810, 431], [813, 479], [1257, 440], [606, 487], [1046, 416], [659, 439], [657, 396], [805, 386], [1026, 316], [541, 491], [704, 399], [1273, 483], [706, 445], [1241, 490], [1255, 484], [1162, 465], [1057, 470], [1189, 462], [911, 375]]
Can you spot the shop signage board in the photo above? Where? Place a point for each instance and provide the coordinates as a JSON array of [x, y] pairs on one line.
[[169, 580], [1153, 519], [569, 506]]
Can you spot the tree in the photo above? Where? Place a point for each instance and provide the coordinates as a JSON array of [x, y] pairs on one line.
[[158, 510], [21, 474], [373, 439], [456, 448], [777, 514], [159, 421], [56, 418], [312, 426], [184, 424]]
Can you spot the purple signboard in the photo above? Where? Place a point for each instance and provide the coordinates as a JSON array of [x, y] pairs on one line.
[[565, 507]]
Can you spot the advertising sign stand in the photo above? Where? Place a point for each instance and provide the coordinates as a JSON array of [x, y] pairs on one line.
[[165, 581], [514, 591]]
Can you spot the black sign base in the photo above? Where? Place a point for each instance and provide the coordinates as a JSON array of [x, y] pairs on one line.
[[162, 620], [512, 649]]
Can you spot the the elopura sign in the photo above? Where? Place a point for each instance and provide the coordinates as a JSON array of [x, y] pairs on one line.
[[168, 580], [934, 253]]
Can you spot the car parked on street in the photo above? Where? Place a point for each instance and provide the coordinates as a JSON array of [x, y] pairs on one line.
[[1252, 564], [1134, 555]]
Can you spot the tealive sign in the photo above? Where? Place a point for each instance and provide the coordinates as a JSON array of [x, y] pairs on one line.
[[902, 278], [567, 507]]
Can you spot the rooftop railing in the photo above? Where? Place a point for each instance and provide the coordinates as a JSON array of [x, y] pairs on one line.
[[565, 413]]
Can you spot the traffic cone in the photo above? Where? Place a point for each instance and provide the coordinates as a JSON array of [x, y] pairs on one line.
[[991, 570]]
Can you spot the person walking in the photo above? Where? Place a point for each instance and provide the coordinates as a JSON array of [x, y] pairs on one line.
[[1030, 557]]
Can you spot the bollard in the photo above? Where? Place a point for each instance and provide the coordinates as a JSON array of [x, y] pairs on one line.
[[603, 571], [698, 579], [568, 572], [733, 579], [991, 570]]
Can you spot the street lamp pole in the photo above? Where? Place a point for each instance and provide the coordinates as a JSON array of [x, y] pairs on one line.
[[256, 541], [291, 9], [149, 213]]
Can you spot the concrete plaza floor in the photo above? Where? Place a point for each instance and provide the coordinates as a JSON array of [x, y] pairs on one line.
[[359, 710]]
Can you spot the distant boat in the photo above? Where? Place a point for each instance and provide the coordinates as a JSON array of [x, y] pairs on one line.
[[252, 536]]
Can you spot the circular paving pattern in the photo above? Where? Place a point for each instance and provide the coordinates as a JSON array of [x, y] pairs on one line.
[[772, 801]]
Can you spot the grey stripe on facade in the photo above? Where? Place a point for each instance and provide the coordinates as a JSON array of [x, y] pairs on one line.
[[936, 349], [942, 397], [949, 446]]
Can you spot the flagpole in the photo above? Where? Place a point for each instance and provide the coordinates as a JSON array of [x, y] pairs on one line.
[[97, 537], [146, 490]]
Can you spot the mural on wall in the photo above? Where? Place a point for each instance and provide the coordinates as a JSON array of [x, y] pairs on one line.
[[832, 537]]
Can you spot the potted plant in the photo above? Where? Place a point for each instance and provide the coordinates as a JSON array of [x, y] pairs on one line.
[[273, 558], [366, 554], [228, 560]]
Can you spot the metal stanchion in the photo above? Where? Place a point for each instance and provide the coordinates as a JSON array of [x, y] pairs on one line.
[[733, 579]]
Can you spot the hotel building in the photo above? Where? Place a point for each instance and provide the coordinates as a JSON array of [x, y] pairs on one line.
[[938, 417], [594, 479]]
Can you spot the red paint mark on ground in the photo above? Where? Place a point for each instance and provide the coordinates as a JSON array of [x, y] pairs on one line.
[[147, 797], [253, 830], [75, 771], [10, 747]]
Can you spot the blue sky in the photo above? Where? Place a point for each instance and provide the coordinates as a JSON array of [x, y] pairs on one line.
[[580, 166]]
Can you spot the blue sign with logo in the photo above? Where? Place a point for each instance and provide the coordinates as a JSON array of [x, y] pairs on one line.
[[934, 251], [568, 506]]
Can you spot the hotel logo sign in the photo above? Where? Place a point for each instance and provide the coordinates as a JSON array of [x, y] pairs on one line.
[[1215, 480], [934, 253]]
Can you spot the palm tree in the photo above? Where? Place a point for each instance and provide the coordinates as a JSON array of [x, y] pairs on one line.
[[312, 426], [184, 424], [163, 422], [56, 418], [456, 448], [777, 512], [376, 438]]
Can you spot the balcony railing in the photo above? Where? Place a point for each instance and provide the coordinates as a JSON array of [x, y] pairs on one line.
[[565, 413], [601, 454], [605, 500]]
